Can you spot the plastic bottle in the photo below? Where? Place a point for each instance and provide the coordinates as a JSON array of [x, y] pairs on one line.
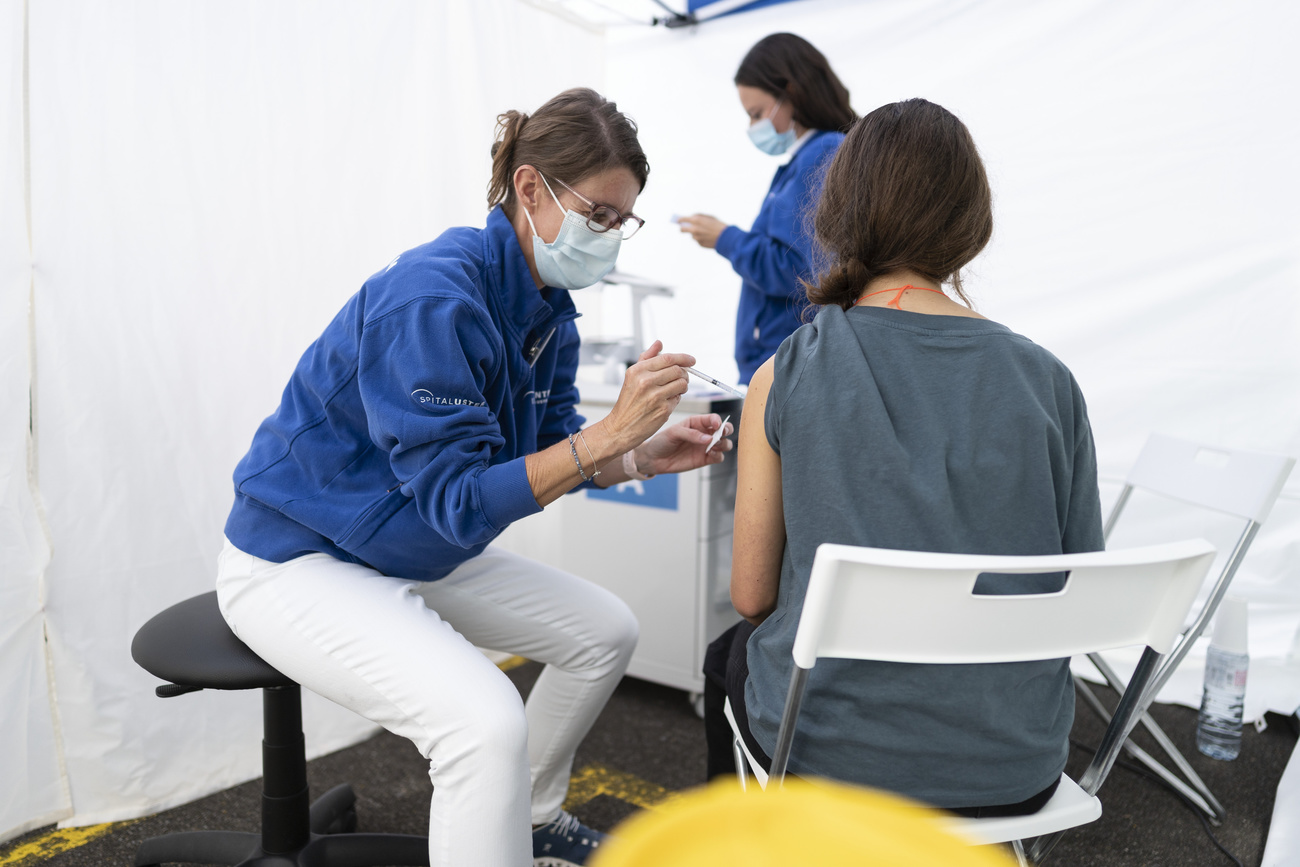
[[1218, 725]]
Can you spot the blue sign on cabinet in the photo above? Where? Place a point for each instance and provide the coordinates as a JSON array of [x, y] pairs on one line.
[[657, 493]]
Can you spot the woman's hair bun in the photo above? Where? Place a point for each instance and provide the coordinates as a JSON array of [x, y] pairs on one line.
[[508, 125], [841, 284]]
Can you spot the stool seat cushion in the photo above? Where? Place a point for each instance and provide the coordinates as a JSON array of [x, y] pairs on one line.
[[190, 644]]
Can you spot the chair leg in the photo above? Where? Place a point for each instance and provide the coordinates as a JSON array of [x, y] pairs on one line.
[[285, 803], [1216, 811], [335, 811], [742, 767], [1018, 848], [1043, 845], [232, 848], [1195, 790], [198, 847], [366, 850]]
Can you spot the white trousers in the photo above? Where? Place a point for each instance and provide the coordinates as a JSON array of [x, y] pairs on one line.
[[402, 654]]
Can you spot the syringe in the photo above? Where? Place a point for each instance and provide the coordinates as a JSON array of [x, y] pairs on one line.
[[722, 385]]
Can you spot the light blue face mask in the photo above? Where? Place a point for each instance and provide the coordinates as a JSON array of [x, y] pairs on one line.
[[578, 257], [765, 137]]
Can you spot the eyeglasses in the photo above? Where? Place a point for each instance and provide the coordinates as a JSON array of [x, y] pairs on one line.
[[602, 218]]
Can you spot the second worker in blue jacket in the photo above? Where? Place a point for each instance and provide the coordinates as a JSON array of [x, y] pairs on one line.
[[798, 107]]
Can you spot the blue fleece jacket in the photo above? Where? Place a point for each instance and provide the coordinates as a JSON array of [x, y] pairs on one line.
[[400, 439], [775, 253]]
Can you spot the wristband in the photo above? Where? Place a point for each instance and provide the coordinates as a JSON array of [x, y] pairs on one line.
[[629, 467]]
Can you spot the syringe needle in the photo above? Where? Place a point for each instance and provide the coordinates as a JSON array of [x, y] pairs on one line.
[[722, 385]]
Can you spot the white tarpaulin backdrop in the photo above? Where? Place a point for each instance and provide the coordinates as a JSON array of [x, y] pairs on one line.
[[209, 180], [34, 791], [1144, 179]]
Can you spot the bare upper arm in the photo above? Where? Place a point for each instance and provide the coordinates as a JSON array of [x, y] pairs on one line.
[[759, 539]]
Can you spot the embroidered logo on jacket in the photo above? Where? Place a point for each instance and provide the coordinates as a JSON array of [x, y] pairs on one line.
[[425, 398]]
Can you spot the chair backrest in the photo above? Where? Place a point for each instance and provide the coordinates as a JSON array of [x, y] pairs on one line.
[[1236, 482], [912, 606]]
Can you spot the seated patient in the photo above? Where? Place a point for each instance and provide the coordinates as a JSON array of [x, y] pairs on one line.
[[900, 418]]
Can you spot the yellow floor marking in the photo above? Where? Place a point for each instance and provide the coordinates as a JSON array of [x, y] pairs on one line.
[[57, 842], [587, 784], [512, 662], [595, 780]]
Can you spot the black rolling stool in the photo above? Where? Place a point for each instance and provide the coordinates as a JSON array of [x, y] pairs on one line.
[[191, 646]]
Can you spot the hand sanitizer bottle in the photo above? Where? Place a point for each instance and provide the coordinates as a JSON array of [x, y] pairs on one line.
[[1218, 726]]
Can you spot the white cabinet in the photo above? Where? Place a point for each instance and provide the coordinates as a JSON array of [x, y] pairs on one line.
[[663, 545]]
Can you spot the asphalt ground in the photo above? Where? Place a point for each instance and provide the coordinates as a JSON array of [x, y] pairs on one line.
[[648, 743]]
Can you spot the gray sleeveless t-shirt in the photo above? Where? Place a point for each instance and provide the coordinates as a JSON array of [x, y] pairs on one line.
[[924, 433]]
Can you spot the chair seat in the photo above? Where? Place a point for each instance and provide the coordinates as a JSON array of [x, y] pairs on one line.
[[1069, 807], [190, 644]]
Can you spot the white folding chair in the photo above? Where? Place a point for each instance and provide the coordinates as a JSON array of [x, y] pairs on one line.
[[1237, 483], [918, 607]]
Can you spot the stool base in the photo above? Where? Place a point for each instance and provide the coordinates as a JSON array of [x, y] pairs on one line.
[[331, 843]]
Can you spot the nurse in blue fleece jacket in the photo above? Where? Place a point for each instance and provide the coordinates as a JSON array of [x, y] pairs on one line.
[[437, 408], [796, 106]]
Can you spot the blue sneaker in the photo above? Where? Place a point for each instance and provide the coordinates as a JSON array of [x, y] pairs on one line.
[[564, 842]]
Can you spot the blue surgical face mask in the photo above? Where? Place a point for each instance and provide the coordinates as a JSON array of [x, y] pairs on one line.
[[578, 257], [765, 137]]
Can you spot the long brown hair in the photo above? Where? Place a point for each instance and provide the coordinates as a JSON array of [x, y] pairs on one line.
[[573, 136], [906, 191], [789, 67]]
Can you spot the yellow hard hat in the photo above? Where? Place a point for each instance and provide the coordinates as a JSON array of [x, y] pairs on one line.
[[823, 824]]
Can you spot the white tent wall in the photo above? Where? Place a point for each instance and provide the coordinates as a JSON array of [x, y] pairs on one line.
[[1143, 167], [210, 181], [33, 792]]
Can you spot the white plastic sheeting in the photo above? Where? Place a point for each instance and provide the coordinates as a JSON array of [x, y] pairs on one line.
[[33, 792], [210, 179], [1144, 175]]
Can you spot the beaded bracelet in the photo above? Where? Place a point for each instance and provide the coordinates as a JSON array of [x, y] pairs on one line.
[[573, 450]]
